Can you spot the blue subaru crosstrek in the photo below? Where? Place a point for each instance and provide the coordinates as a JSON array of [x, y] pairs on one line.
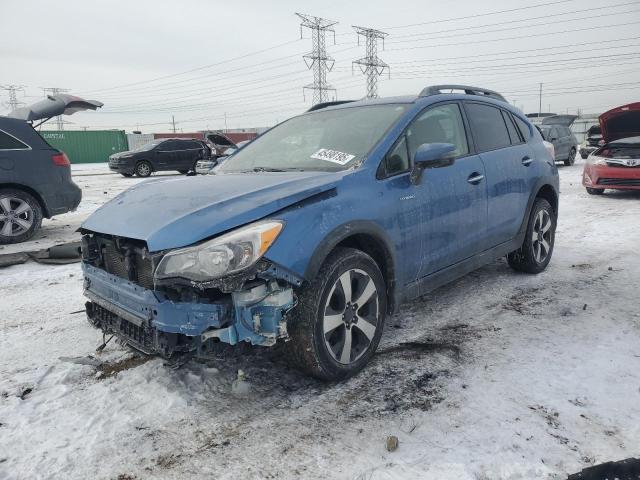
[[322, 227]]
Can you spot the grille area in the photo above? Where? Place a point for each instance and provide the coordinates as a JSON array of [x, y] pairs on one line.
[[116, 264], [140, 337], [626, 182]]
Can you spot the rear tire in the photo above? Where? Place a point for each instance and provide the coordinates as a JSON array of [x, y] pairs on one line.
[[595, 191], [337, 324], [572, 158], [143, 169], [536, 250], [20, 216]]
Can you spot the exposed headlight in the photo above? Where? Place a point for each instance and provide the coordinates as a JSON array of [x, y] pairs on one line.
[[221, 256]]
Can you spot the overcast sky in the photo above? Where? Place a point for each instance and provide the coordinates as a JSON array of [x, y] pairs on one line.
[[202, 61]]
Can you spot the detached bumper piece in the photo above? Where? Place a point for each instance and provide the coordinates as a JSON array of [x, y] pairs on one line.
[[154, 324]]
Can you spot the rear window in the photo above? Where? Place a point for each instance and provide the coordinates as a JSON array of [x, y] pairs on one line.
[[8, 142], [488, 127]]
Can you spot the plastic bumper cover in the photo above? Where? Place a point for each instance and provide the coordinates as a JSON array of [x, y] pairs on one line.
[[255, 315]]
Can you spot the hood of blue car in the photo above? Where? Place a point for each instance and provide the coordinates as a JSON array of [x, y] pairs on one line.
[[175, 212]]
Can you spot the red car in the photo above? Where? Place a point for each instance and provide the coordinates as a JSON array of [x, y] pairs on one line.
[[616, 164]]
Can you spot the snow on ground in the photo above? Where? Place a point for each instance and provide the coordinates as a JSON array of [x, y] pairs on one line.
[[497, 376]]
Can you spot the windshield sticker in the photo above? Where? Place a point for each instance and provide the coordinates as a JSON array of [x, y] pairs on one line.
[[333, 156]]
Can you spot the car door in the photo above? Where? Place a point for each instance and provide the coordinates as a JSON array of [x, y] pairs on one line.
[[452, 199], [506, 157], [164, 154], [558, 144]]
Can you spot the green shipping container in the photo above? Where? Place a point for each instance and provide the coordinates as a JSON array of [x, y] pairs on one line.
[[87, 146]]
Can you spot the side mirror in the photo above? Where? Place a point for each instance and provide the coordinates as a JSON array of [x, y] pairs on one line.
[[432, 155]]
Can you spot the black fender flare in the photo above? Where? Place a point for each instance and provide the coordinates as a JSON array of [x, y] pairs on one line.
[[350, 229], [551, 182]]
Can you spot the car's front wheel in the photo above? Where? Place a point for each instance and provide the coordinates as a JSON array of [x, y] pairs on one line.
[[336, 326], [20, 216], [143, 169], [535, 253]]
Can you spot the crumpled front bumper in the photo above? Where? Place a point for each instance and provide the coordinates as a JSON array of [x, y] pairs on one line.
[[257, 318]]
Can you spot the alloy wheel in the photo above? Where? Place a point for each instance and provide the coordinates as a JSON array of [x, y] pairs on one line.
[[16, 216], [541, 236], [144, 170], [351, 316]]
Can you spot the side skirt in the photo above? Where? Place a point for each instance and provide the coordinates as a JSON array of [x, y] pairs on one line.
[[447, 275]]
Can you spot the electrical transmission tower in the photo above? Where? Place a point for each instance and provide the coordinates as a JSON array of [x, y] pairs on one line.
[[371, 65], [13, 102], [54, 91], [318, 60]]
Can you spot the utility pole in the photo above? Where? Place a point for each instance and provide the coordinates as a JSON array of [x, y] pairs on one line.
[[173, 122], [55, 91], [371, 65], [540, 104], [13, 102], [318, 60]]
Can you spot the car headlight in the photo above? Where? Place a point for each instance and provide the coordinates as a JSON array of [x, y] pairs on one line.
[[595, 160], [221, 256]]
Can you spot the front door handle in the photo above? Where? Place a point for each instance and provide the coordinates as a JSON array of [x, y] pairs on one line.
[[526, 161], [475, 178]]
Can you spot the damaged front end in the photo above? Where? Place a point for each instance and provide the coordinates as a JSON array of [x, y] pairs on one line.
[[138, 296]]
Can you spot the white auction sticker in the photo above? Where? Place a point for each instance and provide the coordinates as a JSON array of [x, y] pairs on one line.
[[333, 156]]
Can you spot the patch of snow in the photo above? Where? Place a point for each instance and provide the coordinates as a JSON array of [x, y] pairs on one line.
[[499, 375]]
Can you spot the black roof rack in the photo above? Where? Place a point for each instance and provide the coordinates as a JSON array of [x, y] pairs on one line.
[[320, 106], [437, 90]]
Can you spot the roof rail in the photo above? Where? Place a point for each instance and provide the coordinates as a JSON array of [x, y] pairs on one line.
[[437, 90], [320, 106]]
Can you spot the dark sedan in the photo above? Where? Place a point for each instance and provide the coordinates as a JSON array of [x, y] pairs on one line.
[[160, 155]]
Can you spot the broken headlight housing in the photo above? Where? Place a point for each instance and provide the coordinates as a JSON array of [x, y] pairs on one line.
[[222, 256]]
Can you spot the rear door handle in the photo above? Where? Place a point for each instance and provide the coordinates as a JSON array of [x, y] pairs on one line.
[[526, 161], [475, 178]]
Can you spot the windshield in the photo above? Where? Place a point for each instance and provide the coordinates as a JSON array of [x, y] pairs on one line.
[[325, 140], [148, 146], [545, 131]]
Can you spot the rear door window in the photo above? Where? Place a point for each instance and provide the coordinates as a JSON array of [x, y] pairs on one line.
[[9, 142], [488, 127]]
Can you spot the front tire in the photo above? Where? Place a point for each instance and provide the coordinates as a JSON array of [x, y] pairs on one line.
[[572, 158], [595, 191], [143, 169], [337, 324], [535, 253], [20, 216]]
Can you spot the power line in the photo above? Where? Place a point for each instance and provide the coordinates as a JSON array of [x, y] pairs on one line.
[[477, 15], [371, 65], [318, 60], [195, 69]]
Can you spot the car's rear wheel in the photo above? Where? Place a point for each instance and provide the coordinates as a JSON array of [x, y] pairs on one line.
[[143, 169], [595, 191], [336, 326], [536, 250], [20, 216], [572, 158]]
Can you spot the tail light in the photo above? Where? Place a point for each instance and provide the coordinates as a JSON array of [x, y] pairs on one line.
[[61, 160], [550, 148]]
